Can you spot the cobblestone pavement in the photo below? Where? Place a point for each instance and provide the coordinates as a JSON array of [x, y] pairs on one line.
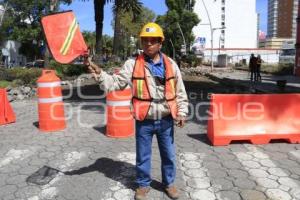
[[87, 165]]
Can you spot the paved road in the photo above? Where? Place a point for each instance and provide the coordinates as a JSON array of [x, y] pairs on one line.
[[81, 163]]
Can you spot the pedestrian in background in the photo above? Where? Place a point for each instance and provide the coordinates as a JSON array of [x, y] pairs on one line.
[[253, 67], [159, 98], [258, 68]]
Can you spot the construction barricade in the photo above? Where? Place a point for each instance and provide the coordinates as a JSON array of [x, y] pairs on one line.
[[7, 114], [120, 121], [254, 117], [50, 102]]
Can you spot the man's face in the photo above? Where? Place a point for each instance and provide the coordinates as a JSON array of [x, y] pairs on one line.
[[151, 45]]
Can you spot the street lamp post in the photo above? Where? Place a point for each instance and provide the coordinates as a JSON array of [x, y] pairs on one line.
[[211, 35], [182, 38], [173, 48]]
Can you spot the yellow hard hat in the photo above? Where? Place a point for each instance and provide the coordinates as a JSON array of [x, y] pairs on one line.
[[152, 30]]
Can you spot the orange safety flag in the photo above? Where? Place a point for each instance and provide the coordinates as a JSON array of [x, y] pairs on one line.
[[64, 38]]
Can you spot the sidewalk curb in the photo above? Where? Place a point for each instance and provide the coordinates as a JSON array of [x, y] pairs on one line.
[[232, 82]]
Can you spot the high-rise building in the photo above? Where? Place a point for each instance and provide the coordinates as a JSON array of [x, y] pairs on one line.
[[282, 16], [234, 23]]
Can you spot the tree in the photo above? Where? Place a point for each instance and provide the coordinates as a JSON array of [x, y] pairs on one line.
[[99, 17], [123, 6], [180, 14], [107, 45], [90, 39], [130, 30], [22, 23]]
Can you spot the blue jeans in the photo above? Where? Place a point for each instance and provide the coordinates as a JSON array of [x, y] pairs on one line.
[[164, 130]]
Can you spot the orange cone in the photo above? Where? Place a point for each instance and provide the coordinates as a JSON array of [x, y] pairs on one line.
[[120, 121], [50, 103], [7, 114]]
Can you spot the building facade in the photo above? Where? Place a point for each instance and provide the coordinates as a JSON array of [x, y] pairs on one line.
[[234, 23], [282, 15]]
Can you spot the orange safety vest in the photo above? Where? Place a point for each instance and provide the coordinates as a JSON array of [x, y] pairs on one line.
[[141, 96]]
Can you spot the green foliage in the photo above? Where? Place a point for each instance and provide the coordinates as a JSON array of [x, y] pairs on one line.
[[192, 60], [130, 29], [66, 71], [107, 44], [22, 23], [90, 39], [285, 69], [111, 64], [4, 84], [123, 6], [181, 14], [20, 76]]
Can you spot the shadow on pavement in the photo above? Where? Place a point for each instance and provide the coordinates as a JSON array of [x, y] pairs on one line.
[[119, 171], [101, 129], [201, 137], [116, 170]]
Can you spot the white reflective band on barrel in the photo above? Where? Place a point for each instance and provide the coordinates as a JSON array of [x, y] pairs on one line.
[[49, 84], [118, 103], [50, 100]]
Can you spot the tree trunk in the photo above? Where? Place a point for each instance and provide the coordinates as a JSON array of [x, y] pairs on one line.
[[99, 16], [53, 7], [117, 31]]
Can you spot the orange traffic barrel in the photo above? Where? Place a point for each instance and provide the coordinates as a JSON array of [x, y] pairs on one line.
[[258, 118], [7, 114], [120, 121], [50, 102]]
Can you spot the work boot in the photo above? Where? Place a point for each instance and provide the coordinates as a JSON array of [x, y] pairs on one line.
[[172, 192], [141, 193]]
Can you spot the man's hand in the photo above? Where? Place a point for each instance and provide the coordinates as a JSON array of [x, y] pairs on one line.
[[180, 121], [92, 67]]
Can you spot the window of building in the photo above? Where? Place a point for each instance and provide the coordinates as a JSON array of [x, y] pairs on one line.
[[223, 17], [223, 2], [222, 46], [223, 31], [222, 23]]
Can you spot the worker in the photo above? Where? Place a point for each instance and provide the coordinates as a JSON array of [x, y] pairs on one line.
[[159, 100]]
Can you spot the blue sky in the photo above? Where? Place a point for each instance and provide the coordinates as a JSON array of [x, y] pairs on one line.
[[85, 13]]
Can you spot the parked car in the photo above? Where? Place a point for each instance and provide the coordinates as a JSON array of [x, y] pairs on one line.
[[36, 63]]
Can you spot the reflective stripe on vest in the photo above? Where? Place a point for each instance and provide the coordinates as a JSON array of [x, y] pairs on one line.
[[50, 100], [118, 103], [140, 88], [49, 84]]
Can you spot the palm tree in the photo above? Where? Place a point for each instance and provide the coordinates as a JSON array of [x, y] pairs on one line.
[[99, 17], [134, 6]]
